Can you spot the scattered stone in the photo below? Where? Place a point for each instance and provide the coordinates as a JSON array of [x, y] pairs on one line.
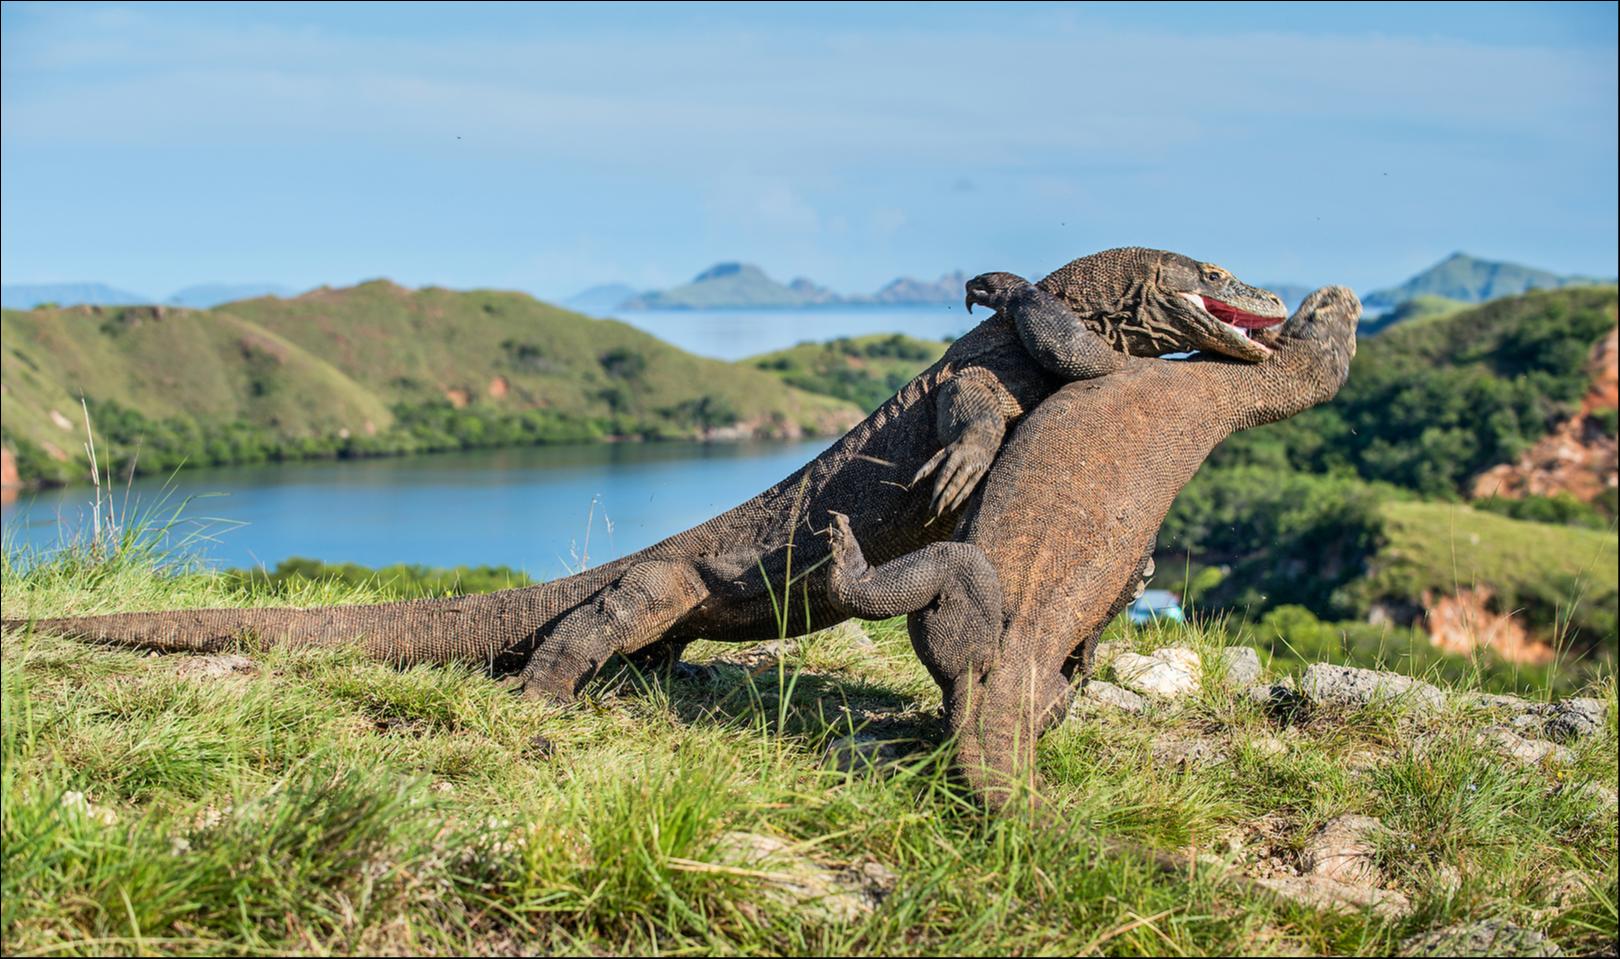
[[539, 747], [850, 633], [1269, 747], [214, 667], [862, 751], [1321, 892], [1106, 653], [1107, 694], [1571, 719], [77, 802], [1188, 753], [1242, 666], [1169, 673], [1563, 721], [762, 655], [1531, 752], [1343, 850], [1347, 686], [1485, 937], [845, 895]]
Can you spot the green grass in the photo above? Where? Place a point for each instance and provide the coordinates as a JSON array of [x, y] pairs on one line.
[[323, 803]]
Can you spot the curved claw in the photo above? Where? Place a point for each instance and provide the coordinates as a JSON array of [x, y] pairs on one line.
[[957, 481], [928, 468]]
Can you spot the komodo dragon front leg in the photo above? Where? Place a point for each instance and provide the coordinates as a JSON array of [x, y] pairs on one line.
[[972, 410]]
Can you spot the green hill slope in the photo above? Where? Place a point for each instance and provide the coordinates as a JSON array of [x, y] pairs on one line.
[[866, 370], [370, 369]]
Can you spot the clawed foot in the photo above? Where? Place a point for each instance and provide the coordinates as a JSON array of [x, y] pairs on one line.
[[847, 558], [532, 689], [960, 466], [992, 290]]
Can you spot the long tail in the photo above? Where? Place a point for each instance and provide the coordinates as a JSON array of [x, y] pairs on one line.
[[478, 629]]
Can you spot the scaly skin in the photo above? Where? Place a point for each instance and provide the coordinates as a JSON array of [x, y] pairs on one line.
[[1055, 545], [724, 579]]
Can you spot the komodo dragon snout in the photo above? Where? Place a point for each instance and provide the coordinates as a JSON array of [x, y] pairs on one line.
[[1176, 304]]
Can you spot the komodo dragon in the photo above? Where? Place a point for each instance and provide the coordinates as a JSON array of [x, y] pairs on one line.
[[727, 579], [1056, 542]]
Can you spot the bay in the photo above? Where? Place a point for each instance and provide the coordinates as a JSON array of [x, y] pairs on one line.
[[537, 509]]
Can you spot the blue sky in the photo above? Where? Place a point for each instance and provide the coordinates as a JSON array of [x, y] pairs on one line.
[[549, 148]]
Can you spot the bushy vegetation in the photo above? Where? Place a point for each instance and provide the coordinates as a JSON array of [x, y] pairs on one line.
[[864, 370], [1431, 403]]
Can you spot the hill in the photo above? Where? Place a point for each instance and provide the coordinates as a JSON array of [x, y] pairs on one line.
[[732, 285], [365, 370], [26, 296], [864, 370], [743, 285], [207, 295], [1473, 280]]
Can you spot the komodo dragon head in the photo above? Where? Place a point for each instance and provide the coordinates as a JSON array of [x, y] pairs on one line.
[[1152, 302]]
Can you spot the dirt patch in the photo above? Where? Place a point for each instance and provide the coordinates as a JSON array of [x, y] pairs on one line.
[[499, 387], [1577, 457], [458, 398], [1462, 623]]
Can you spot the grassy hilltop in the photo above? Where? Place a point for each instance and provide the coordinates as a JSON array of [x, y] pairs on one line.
[[366, 370]]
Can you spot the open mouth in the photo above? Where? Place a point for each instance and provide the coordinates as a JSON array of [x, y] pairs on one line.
[[1242, 319], [1234, 317]]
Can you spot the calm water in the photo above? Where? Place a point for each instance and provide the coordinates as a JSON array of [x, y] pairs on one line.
[[734, 334], [525, 508]]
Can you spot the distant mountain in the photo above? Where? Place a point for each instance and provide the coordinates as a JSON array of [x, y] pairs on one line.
[[1472, 280], [26, 296], [946, 289], [726, 285], [603, 298], [209, 295], [731, 285]]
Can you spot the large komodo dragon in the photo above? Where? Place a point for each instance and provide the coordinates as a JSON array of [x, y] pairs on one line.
[[724, 579], [1055, 544]]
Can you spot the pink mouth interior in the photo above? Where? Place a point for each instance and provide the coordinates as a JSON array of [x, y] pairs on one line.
[[1242, 319]]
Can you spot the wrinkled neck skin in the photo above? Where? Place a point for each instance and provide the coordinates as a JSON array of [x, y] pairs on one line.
[[1120, 291]]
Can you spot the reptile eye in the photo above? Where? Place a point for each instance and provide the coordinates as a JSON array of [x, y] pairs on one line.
[[1213, 275]]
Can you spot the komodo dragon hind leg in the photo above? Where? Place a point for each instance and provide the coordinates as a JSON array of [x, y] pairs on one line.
[[950, 588], [629, 614]]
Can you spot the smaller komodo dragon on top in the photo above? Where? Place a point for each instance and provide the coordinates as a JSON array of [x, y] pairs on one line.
[[727, 579], [1061, 536]]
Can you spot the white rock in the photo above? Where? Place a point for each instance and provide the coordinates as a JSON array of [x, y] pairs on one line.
[[1168, 673], [1343, 850], [1532, 752], [1107, 694], [1347, 686], [213, 667], [1321, 892], [788, 877], [1242, 666]]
